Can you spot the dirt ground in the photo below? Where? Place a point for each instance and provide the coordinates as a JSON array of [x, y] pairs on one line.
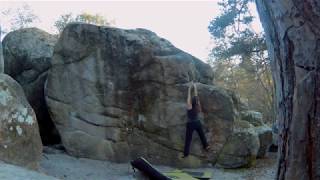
[[62, 166]]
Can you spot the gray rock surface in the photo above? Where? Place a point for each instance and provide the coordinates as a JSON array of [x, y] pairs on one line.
[[253, 117], [1, 54], [275, 134], [241, 148], [117, 94], [27, 54], [265, 138], [1, 58], [20, 142]]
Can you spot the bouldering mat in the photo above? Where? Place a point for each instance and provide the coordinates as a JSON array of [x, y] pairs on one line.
[[179, 175], [202, 175], [146, 168], [192, 175]]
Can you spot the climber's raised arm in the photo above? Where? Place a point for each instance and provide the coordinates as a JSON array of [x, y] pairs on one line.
[[197, 97], [189, 103], [195, 89]]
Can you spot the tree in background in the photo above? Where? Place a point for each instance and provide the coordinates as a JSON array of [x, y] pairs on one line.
[[240, 58], [14, 19], [96, 19]]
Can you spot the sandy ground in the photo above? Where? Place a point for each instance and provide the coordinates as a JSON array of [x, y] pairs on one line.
[[62, 166]]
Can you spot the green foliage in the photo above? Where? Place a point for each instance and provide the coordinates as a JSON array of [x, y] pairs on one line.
[[233, 33], [96, 19], [239, 58], [63, 20], [234, 12]]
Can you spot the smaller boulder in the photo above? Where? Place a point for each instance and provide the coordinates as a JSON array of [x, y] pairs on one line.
[[274, 145], [20, 142], [265, 137], [253, 117], [239, 103], [27, 58], [1, 56], [241, 148]]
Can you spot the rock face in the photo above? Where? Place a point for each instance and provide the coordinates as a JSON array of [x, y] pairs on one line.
[[253, 117], [242, 147], [117, 94], [265, 138], [275, 133], [263, 131], [20, 142], [27, 55], [1, 55], [1, 58]]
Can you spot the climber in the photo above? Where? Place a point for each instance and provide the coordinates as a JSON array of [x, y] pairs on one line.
[[193, 110]]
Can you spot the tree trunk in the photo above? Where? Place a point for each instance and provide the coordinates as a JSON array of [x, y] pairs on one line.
[[293, 37]]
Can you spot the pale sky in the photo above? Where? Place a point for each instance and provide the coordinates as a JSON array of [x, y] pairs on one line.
[[183, 23]]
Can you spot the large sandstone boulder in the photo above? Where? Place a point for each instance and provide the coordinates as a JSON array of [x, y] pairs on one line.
[[27, 55], [117, 94], [242, 147], [20, 142]]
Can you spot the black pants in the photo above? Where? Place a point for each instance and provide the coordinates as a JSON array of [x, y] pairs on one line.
[[191, 126]]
